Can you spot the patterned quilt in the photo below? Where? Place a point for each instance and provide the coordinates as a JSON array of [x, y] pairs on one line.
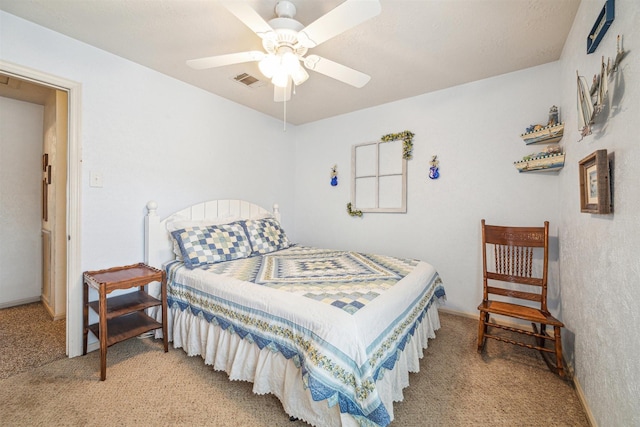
[[347, 280], [342, 317]]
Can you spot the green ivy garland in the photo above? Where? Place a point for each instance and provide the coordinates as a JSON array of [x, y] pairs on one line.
[[352, 212], [407, 137]]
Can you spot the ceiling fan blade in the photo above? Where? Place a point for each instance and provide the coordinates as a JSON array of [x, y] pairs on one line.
[[336, 71], [281, 94], [229, 59], [344, 17], [248, 16]]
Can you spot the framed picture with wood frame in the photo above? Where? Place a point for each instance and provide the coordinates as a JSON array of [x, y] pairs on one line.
[[595, 193]]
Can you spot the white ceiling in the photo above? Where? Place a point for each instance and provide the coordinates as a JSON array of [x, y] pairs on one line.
[[411, 48]]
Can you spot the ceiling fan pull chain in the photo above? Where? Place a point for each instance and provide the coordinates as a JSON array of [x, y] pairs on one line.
[[284, 120]]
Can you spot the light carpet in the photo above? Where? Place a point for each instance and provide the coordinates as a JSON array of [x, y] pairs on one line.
[[505, 386], [29, 338]]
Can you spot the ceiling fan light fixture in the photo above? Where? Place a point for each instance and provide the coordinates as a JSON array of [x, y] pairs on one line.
[[280, 78], [299, 76], [290, 62], [283, 66], [269, 65]]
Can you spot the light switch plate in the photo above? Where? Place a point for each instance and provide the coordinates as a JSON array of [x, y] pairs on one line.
[[95, 179]]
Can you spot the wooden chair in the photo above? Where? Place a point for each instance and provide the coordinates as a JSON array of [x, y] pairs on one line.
[[513, 289]]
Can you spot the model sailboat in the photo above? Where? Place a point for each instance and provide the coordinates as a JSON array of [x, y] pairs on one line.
[[585, 107], [603, 88], [620, 53], [592, 101]]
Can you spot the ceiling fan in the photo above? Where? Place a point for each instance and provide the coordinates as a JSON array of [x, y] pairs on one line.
[[286, 42]]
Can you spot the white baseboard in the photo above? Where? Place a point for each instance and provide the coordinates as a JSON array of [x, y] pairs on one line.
[[476, 316], [19, 302], [51, 313], [458, 313], [93, 346], [583, 401]]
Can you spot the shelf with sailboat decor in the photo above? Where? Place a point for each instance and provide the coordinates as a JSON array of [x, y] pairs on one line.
[[549, 160], [545, 134]]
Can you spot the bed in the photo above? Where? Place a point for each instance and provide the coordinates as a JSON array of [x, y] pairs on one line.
[[332, 334]]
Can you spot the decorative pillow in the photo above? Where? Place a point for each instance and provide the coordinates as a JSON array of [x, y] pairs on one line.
[[212, 244], [265, 235], [178, 222], [176, 249]]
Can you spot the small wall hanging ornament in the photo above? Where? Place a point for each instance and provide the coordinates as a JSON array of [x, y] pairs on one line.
[[334, 175], [433, 170]]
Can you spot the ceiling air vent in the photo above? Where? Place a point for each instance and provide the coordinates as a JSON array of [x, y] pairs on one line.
[[248, 80]]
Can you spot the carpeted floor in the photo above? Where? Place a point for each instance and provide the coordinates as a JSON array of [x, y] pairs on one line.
[[506, 386], [29, 338]]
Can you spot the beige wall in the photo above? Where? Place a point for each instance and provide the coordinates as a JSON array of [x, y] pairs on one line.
[[55, 145]]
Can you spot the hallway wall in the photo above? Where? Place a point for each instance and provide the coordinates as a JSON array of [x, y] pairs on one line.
[[21, 129]]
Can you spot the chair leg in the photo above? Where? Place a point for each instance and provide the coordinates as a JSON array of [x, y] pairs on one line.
[[559, 365], [482, 329], [543, 331]]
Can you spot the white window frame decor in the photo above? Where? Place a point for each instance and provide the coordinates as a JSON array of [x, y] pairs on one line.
[[374, 168]]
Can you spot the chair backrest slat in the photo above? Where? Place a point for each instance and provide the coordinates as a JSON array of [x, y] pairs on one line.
[[529, 296], [532, 281]]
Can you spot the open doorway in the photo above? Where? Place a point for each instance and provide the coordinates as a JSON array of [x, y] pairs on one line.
[[33, 194], [33, 175], [66, 242]]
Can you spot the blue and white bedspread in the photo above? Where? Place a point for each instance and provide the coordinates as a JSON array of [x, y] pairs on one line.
[[342, 317]]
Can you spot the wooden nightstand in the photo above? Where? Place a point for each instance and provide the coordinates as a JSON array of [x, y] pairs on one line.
[[122, 317]]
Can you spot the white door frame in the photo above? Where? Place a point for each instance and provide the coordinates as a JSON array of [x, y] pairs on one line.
[[74, 180]]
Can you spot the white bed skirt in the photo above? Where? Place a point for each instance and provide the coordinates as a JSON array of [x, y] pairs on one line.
[[271, 372]]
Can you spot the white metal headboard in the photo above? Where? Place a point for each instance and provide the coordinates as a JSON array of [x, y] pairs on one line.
[[158, 247]]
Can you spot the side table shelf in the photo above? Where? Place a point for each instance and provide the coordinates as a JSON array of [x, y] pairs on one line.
[[124, 321], [122, 317]]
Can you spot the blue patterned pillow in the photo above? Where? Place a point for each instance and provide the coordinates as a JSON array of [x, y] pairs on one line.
[[212, 244], [265, 235]]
